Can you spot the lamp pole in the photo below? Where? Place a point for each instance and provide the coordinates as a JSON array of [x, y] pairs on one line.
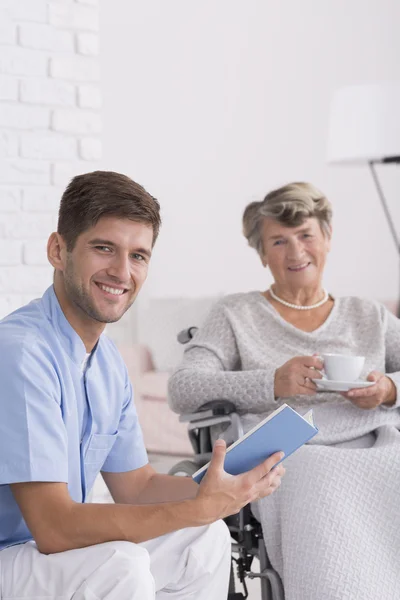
[[372, 163]]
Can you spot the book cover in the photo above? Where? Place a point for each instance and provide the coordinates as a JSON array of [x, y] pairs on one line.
[[284, 429]]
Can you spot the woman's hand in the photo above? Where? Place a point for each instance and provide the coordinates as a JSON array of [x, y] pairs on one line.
[[382, 392], [296, 376]]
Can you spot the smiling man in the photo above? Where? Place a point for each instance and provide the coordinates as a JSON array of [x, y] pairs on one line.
[[67, 413]]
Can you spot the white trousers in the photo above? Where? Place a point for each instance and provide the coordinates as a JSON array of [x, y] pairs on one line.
[[188, 564]]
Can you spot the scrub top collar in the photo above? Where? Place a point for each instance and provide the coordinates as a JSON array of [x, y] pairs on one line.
[[72, 343]]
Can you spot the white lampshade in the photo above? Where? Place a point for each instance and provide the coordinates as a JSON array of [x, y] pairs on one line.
[[365, 123]]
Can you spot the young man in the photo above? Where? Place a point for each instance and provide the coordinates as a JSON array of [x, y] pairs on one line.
[[67, 413]]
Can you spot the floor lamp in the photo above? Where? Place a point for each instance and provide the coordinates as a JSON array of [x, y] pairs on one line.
[[364, 128]]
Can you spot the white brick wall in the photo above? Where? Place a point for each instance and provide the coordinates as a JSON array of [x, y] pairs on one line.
[[89, 96], [47, 91], [50, 128]]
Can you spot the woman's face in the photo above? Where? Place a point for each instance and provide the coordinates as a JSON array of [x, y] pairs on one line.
[[296, 256]]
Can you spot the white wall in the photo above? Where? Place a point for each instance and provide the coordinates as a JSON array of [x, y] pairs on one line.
[[50, 124], [211, 104]]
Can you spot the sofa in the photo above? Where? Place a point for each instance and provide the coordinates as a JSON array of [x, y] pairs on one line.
[[151, 360]]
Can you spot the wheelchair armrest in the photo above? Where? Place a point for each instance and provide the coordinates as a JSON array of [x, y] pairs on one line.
[[212, 413], [214, 408]]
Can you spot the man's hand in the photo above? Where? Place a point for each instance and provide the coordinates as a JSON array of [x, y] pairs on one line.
[[221, 494], [295, 376], [382, 392]]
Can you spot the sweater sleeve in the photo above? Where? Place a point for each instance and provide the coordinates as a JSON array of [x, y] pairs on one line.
[[211, 370], [392, 347]]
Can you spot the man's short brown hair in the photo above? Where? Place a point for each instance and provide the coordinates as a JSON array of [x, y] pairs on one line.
[[99, 194]]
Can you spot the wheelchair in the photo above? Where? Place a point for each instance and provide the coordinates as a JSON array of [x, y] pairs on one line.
[[246, 532]]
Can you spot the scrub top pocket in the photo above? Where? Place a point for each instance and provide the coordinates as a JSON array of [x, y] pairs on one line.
[[99, 448]]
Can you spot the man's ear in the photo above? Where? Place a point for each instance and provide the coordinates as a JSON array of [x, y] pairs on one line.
[[56, 251]]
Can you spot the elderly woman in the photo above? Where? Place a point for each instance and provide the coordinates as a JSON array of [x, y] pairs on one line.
[[333, 529]]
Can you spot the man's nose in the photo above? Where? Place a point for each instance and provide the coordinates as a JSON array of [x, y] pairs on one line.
[[120, 268]]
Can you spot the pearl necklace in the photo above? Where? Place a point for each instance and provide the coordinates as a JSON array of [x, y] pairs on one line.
[[296, 306]]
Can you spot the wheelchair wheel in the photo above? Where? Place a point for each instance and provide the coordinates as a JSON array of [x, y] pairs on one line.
[[185, 468]]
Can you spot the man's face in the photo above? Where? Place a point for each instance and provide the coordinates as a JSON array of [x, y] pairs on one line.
[[107, 267]]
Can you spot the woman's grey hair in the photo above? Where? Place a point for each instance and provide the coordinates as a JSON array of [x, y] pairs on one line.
[[289, 205]]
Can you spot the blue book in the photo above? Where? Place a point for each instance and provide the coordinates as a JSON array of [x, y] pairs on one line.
[[284, 429]]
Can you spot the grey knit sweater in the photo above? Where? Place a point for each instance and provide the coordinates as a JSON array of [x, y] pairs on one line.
[[244, 340]]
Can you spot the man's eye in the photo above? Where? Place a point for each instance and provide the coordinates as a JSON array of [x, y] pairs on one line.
[[103, 248], [139, 257], [278, 242]]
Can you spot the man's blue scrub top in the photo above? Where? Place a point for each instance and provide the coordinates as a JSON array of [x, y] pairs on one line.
[[56, 422]]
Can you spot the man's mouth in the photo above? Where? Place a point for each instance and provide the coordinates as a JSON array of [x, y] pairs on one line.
[[299, 267], [115, 291]]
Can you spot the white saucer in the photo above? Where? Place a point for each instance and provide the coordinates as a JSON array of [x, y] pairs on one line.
[[327, 385]]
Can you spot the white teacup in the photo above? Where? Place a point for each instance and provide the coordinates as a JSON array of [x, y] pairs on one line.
[[343, 367]]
